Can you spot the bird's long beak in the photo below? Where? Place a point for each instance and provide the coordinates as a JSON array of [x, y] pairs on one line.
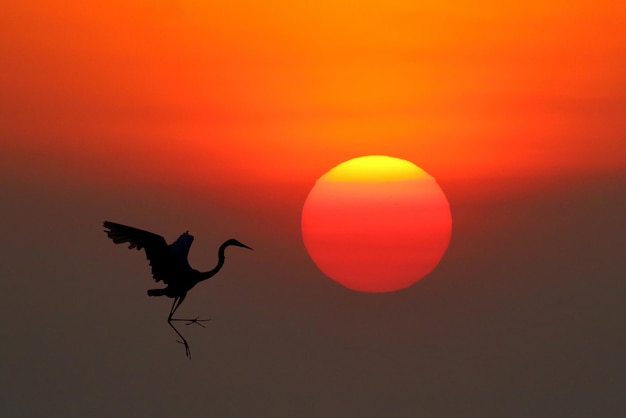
[[245, 246]]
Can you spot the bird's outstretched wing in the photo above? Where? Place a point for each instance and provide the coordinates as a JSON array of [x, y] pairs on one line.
[[164, 265]]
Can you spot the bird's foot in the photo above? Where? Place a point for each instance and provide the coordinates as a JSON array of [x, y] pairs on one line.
[[197, 321], [187, 350]]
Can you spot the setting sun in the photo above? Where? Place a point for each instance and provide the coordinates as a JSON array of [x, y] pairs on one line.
[[376, 223]]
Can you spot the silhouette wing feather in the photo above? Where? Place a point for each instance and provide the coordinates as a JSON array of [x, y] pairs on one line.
[[163, 263], [180, 250]]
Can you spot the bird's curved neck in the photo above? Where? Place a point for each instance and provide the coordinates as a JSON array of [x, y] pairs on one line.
[[220, 263]]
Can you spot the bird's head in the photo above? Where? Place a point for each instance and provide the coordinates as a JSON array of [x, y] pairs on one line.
[[236, 243]]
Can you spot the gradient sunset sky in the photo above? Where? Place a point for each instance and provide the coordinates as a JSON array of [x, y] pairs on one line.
[[218, 118]]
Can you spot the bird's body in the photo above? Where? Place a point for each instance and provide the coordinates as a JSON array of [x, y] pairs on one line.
[[169, 263]]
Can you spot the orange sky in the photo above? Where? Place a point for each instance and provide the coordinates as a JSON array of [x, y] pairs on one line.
[[275, 90]]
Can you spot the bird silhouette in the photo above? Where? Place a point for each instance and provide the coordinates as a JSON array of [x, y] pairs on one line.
[[169, 265]]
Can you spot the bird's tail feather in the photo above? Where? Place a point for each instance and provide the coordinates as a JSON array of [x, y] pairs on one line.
[[156, 292]]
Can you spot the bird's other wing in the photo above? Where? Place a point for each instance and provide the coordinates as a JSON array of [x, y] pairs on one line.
[[164, 265], [180, 249]]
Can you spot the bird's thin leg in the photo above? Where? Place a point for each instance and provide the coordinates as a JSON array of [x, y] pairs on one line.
[[184, 341], [175, 305]]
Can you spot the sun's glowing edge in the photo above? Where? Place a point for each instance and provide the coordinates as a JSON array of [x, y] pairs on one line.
[[375, 168]]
